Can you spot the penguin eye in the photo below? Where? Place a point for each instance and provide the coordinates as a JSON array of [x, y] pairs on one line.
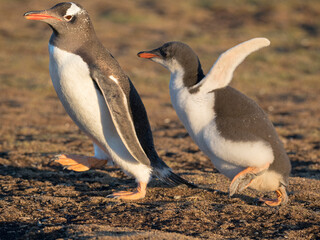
[[68, 17], [163, 53]]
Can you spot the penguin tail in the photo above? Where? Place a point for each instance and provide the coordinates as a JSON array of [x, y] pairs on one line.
[[177, 180], [167, 176]]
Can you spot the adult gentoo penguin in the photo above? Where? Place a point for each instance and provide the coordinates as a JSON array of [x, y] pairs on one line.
[[229, 127], [101, 100]]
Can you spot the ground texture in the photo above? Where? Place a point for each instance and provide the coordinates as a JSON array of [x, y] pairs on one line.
[[40, 200]]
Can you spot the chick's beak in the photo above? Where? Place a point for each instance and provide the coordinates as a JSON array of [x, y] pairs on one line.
[[147, 55]]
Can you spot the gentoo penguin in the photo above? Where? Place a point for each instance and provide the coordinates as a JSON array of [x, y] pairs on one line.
[[229, 127], [101, 100]]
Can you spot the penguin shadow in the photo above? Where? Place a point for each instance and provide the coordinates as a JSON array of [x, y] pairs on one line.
[[89, 183], [121, 182], [18, 229], [83, 182], [227, 199]]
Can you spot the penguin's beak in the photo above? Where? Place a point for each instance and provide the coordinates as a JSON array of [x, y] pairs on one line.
[[147, 54], [39, 15]]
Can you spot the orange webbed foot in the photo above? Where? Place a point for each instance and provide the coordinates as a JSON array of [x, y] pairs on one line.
[[79, 163], [282, 198], [243, 179], [139, 193]]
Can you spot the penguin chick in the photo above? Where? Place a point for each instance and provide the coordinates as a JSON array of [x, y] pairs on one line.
[[229, 127]]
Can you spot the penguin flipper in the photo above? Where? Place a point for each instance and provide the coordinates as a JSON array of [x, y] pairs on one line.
[[117, 103], [220, 75]]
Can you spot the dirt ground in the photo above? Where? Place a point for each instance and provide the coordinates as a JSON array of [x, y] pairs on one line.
[[40, 200]]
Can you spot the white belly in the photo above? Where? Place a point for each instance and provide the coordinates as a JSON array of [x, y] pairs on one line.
[[196, 111], [85, 104]]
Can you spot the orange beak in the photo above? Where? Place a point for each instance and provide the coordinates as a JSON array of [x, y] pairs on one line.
[[39, 16], [147, 55]]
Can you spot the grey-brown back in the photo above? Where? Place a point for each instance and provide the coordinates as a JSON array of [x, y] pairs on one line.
[[239, 118]]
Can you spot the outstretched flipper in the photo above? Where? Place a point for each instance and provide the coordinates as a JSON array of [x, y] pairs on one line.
[[220, 75]]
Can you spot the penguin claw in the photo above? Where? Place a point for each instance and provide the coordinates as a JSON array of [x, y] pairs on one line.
[[111, 196], [55, 158]]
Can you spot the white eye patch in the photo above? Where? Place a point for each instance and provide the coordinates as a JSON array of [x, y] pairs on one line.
[[74, 9]]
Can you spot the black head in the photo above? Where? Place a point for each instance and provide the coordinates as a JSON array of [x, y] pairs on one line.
[[65, 18], [176, 56]]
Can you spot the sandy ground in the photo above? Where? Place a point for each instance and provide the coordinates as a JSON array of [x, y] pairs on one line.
[[40, 200]]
